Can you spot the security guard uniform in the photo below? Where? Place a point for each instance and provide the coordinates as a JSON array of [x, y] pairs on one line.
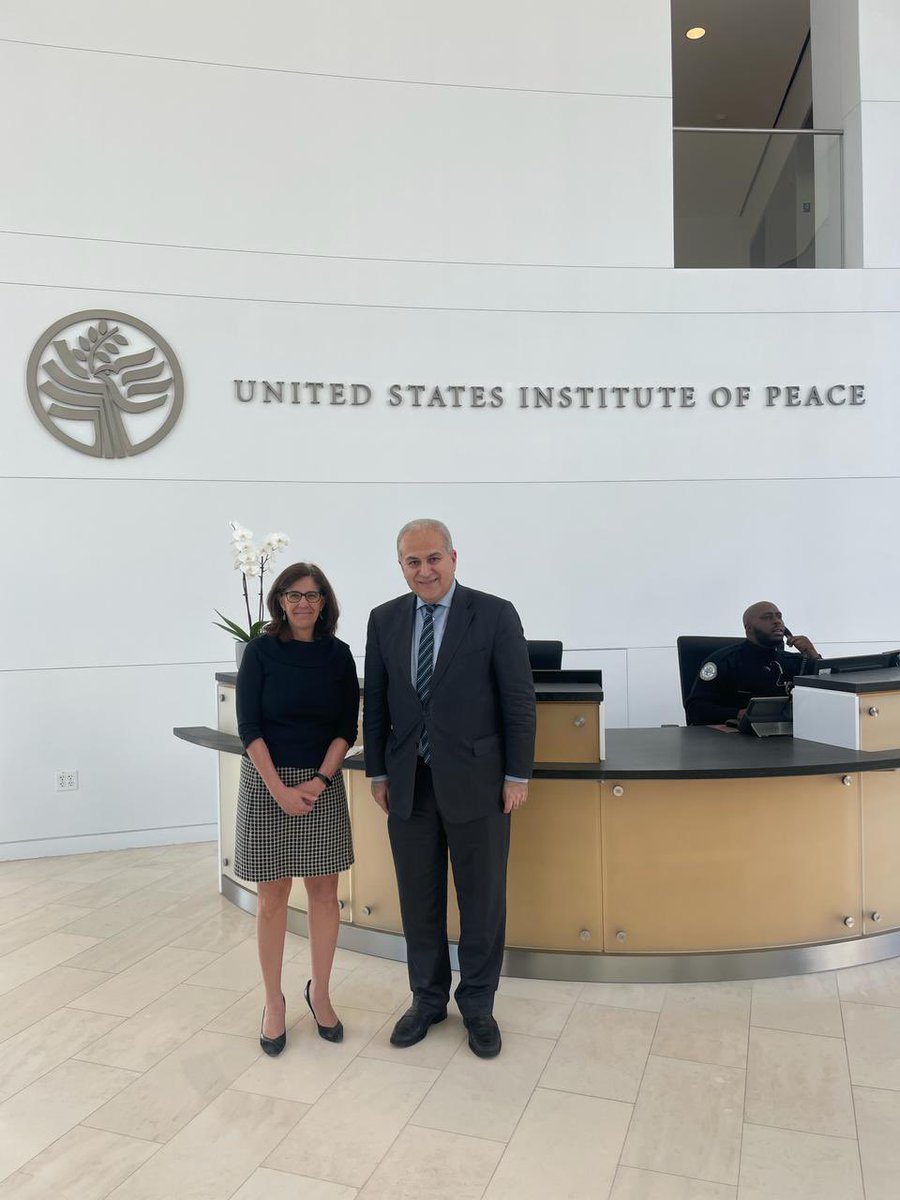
[[732, 676]]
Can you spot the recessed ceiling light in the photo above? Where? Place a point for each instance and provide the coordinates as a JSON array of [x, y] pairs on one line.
[[697, 32]]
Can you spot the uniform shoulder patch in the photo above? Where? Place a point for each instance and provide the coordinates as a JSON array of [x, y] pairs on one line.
[[708, 672]]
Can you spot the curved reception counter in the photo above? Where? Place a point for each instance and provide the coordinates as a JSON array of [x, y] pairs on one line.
[[650, 855]]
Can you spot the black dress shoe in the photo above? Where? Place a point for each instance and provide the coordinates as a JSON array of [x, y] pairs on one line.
[[272, 1046], [331, 1033], [484, 1036], [414, 1024]]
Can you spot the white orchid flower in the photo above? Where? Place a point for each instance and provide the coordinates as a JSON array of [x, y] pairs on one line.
[[252, 563], [239, 533]]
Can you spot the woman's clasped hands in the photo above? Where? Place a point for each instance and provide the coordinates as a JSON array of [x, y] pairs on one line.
[[300, 800]]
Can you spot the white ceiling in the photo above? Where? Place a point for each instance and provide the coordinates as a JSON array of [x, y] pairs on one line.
[[737, 74]]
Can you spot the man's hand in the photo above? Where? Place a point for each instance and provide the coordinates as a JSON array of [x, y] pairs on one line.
[[293, 802], [514, 795], [803, 645], [381, 794]]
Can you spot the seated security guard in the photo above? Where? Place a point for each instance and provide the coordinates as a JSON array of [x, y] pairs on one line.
[[758, 666]]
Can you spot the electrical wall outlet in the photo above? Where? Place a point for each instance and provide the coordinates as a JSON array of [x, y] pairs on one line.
[[67, 781]]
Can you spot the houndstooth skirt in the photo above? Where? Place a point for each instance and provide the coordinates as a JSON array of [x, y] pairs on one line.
[[270, 844]]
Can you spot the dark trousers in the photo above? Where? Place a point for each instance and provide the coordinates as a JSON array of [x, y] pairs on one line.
[[478, 853]]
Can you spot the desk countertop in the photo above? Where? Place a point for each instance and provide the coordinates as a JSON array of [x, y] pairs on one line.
[[861, 682], [666, 753]]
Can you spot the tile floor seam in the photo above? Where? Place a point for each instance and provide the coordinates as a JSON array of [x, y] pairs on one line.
[[701, 1062], [506, 1144], [552, 1087], [852, 1095], [72, 1057], [874, 1087], [868, 1004], [161, 996], [84, 912], [107, 976], [406, 1123], [141, 1074], [142, 1071], [805, 1132], [115, 875], [844, 1137], [134, 1171], [250, 1173], [79, 1124], [802, 1033], [637, 1095], [740, 1155], [89, 911], [778, 1029], [675, 1175], [166, 946], [67, 1004], [88, 1129], [328, 1089]]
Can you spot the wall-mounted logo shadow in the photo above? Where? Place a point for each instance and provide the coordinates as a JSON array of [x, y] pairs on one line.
[[105, 383]]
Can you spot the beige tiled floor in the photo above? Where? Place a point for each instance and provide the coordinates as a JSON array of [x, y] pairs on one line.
[[130, 1068]]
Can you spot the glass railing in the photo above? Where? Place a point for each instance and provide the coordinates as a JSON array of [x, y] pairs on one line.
[[758, 198]]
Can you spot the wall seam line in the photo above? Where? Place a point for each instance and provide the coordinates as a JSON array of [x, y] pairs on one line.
[[456, 308], [386, 79]]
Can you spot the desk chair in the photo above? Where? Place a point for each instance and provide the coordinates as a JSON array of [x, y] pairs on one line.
[[545, 656], [691, 653]]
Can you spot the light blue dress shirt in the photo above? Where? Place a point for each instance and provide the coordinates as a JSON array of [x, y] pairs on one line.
[[439, 618]]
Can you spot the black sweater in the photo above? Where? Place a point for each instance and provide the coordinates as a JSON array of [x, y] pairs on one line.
[[298, 697]]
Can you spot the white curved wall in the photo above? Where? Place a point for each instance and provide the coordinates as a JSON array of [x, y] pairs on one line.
[[387, 194]]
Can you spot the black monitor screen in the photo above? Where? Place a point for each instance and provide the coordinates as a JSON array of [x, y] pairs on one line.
[[858, 662]]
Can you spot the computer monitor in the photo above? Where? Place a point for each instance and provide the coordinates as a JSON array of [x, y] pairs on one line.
[[545, 656], [881, 661]]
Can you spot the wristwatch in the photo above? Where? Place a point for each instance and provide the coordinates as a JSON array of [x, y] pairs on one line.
[[324, 778]]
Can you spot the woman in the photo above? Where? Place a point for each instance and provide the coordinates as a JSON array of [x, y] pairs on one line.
[[297, 707]]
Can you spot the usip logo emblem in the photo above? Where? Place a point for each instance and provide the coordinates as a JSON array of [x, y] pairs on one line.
[[105, 383]]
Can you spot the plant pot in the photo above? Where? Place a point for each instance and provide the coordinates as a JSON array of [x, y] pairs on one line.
[[239, 648]]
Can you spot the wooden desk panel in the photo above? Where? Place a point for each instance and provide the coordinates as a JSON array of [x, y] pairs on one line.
[[714, 865], [880, 844], [553, 888]]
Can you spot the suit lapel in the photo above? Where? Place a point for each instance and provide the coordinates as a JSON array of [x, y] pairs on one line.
[[459, 619], [403, 638]]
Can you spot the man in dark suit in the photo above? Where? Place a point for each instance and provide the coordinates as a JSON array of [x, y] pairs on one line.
[[448, 724]]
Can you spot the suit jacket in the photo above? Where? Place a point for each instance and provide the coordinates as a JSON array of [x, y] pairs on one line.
[[481, 714]]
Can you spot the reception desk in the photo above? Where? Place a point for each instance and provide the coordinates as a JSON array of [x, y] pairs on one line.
[[680, 854]]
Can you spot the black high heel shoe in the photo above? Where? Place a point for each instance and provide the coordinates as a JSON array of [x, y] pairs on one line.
[[273, 1046], [331, 1033]]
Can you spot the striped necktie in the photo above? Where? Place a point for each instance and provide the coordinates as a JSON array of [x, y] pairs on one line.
[[424, 670]]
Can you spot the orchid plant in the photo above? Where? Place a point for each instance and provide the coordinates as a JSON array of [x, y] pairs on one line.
[[252, 562]]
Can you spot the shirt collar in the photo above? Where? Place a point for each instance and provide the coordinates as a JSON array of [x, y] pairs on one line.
[[444, 601]]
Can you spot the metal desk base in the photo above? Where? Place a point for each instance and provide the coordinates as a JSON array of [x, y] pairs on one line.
[[622, 968]]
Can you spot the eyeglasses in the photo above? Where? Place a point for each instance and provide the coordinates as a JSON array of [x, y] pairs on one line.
[[310, 597]]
